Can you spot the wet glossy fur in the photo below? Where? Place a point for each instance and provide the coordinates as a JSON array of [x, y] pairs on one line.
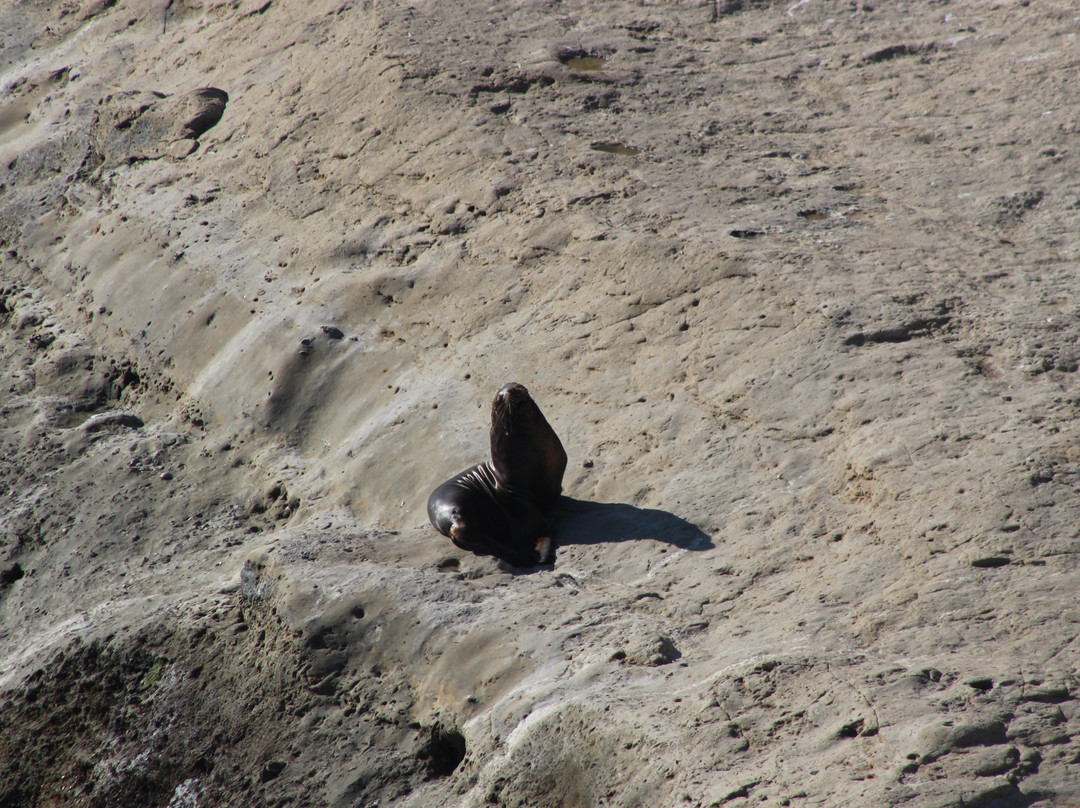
[[499, 507]]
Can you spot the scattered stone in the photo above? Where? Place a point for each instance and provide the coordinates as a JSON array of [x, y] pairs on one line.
[[939, 739], [892, 52], [333, 332], [994, 761], [109, 420], [614, 147], [1048, 693], [1039, 725], [652, 651], [150, 125]]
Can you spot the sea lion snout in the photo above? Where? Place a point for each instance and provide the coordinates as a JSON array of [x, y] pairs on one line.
[[511, 391], [511, 402]]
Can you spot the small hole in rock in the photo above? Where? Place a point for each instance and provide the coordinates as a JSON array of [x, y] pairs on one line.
[[444, 750], [11, 575]]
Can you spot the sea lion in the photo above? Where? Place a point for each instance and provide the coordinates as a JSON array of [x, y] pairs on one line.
[[498, 507]]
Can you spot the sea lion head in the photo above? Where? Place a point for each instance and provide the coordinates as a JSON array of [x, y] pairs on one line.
[[525, 451], [513, 413], [511, 400]]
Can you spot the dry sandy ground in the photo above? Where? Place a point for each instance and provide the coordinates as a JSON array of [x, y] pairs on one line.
[[795, 282]]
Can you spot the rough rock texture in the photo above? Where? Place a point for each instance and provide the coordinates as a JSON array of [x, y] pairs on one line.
[[795, 282]]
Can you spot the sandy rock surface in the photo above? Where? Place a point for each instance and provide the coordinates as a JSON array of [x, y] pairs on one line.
[[796, 283]]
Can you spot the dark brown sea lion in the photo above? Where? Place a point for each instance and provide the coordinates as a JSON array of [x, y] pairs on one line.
[[499, 507]]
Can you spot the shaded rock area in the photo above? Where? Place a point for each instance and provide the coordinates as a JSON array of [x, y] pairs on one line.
[[794, 282]]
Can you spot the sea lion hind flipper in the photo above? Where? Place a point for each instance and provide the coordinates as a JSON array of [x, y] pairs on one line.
[[531, 536], [545, 548]]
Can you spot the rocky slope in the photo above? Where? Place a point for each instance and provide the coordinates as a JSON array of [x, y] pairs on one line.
[[796, 283]]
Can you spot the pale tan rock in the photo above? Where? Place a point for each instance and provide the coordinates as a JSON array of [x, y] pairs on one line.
[[795, 283]]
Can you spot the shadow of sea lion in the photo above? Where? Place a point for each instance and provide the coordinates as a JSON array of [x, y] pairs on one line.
[[581, 522]]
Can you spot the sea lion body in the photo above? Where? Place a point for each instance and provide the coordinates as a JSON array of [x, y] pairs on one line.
[[498, 507], [481, 517]]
